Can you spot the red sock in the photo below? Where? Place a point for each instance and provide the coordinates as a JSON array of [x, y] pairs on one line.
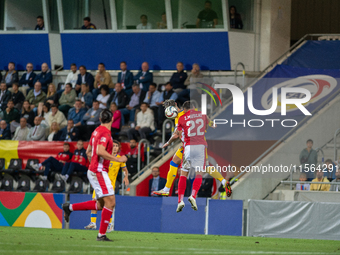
[[106, 215], [196, 185], [88, 205], [182, 184]]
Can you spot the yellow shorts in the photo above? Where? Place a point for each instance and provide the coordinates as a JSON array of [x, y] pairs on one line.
[[179, 152]]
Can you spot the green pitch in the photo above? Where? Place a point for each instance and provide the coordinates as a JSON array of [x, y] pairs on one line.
[[63, 241]]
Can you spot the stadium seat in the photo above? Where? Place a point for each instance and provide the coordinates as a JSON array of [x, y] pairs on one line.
[[2, 163]]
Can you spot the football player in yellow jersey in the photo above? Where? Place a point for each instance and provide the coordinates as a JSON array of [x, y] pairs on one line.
[[114, 168], [177, 158]]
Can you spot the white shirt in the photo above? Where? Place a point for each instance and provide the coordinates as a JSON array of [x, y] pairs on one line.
[[103, 99], [50, 137], [148, 26], [72, 78]]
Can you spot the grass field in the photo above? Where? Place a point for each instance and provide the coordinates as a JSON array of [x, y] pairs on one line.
[[63, 241]]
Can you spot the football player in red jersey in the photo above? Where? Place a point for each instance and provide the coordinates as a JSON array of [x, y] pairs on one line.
[[100, 152]]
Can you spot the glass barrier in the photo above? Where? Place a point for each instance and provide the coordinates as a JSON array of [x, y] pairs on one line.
[[241, 14], [2, 12], [53, 12], [197, 14], [141, 14], [75, 11], [22, 15]]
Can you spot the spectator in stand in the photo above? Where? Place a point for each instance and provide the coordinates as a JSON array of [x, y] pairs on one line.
[[336, 187], [69, 133], [119, 97], [117, 118], [91, 119], [36, 96], [329, 171], [52, 96], [5, 133], [320, 178], [67, 99], [145, 123], [187, 192], [162, 24], [193, 77], [27, 113], [40, 23], [302, 186], [45, 77], [132, 157], [26, 81], [17, 96], [151, 98], [125, 78], [308, 159], [207, 18], [103, 97], [22, 131], [85, 77], [78, 162], [43, 110], [85, 96], [72, 77], [144, 24], [102, 77], [144, 77], [77, 113], [5, 95], [235, 18], [177, 79], [55, 116], [156, 183], [206, 186], [88, 24], [56, 164], [11, 75], [11, 113], [37, 133], [135, 102], [168, 93], [55, 132]]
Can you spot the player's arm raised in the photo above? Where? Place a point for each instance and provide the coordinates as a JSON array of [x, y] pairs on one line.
[[174, 137], [101, 151]]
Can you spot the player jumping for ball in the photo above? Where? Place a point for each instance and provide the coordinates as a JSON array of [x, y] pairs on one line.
[[100, 149], [177, 158]]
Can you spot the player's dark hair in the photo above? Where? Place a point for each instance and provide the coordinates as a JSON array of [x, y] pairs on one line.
[[116, 142], [169, 102], [105, 116], [187, 105]]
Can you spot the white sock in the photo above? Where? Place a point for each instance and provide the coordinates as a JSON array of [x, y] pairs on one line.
[[66, 177], [70, 207], [166, 189], [100, 235], [40, 165], [224, 182]]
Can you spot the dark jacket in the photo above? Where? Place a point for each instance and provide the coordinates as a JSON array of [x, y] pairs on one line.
[[30, 80], [56, 137], [88, 79], [29, 116], [4, 99], [6, 134], [161, 184], [18, 97], [187, 192], [54, 97], [148, 78], [14, 78], [205, 190], [128, 79], [141, 99], [123, 99], [14, 114], [44, 78], [74, 134], [177, 80]]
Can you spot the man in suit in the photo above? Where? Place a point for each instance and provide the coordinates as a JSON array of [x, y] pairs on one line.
[[118, 96], [151, 98], [37, 133], [69, 133], [168, 93], [135, 102], [125, 77], [206, 186], [5, 134], [91, 120], [5, 95], [156, 182], [144, 77], [85, 77], [22, 131], [45, 77], [26, 81], [11, 75]]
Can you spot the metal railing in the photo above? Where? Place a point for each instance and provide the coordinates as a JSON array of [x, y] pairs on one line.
[[243, 73], [143, 141], [301, 182], [172, 126], [335, 144]]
